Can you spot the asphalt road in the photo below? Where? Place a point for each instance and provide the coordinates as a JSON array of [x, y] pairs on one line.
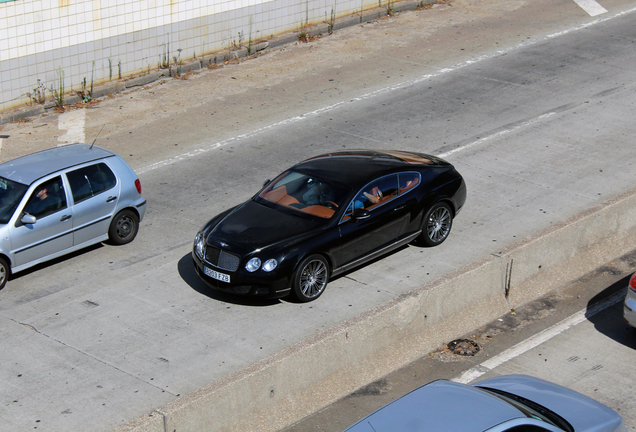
[[536, 114]]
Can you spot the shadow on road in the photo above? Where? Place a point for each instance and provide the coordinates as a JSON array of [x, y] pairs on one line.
[[610, 321], [58, 260], [189, 276]]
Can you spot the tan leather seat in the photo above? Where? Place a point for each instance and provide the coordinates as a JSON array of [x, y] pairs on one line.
[[279, 195], [318, 210], [411, 184]]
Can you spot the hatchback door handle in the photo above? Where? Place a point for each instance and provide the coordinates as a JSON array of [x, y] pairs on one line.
[[111, 199], [65, 218]]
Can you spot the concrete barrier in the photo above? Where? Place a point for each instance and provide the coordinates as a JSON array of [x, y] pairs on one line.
[[305, 377]]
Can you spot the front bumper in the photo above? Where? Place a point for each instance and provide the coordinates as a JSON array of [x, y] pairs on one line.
[[270, 286]]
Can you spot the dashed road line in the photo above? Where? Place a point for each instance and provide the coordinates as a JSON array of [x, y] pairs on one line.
[[498, 134], [73, 122], [539, 338], [592, 7], [399, 86]]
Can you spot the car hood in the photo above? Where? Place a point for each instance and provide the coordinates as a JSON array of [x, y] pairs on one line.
[[252, 226], [582, 412]]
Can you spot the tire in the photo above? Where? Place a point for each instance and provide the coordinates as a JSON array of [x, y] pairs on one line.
[[437, 224], [124, 227], [4, 272], [311, 278]]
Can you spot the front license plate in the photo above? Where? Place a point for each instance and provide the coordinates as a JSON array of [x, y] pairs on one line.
[[216, 275]]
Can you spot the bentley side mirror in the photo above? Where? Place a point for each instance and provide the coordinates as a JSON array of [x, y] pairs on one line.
[[360, 214]]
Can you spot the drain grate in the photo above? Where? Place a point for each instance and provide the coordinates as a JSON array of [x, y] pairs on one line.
[[463, 347]]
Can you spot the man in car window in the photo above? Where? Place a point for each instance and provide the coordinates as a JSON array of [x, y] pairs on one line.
[[41, 202], [319, 194], [367, 199]]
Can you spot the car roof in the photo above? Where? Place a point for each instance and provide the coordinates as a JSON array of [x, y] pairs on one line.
[[27, 169], [357, 167], [440, 405]]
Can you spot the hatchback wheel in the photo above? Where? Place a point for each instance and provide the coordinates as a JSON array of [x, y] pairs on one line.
[[311, 278], [438, 222], [124, 227], [4, 272]]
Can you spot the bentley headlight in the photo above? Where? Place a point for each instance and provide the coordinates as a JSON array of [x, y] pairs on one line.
[[199, 245], [270, 265], [253, 265]]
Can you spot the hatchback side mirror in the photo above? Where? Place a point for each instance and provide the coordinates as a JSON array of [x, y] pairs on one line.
[[28, 219]]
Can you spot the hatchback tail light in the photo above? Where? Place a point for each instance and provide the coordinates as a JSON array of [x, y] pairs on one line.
[[632, 283], [138, 185]]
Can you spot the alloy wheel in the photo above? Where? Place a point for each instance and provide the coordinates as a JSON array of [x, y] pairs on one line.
[[439, 224], [313, 278]]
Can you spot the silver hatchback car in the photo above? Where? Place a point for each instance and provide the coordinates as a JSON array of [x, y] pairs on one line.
[[60, 200]]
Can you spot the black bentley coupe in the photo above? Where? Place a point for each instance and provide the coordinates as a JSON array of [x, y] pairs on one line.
[[325, 216]]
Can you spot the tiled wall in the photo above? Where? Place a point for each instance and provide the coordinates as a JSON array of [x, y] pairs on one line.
[[47, 39]]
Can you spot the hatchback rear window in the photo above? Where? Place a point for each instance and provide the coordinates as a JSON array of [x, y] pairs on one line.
[[90, 181]]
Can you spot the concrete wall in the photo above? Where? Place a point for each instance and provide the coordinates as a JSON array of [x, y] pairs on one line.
[[284, 388], [48, 45]]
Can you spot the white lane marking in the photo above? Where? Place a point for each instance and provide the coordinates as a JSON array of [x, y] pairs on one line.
[[592, 7], [536, 340], [73, 123], [400, 86], [498, 134]]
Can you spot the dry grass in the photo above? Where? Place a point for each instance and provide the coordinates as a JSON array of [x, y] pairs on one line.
[[426, 6]]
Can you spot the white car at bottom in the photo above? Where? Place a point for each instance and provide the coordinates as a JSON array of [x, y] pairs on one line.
[[509, 403]]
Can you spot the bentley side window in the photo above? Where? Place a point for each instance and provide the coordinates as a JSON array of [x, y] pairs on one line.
[[408, 181], [48, 198], [374, 194]]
